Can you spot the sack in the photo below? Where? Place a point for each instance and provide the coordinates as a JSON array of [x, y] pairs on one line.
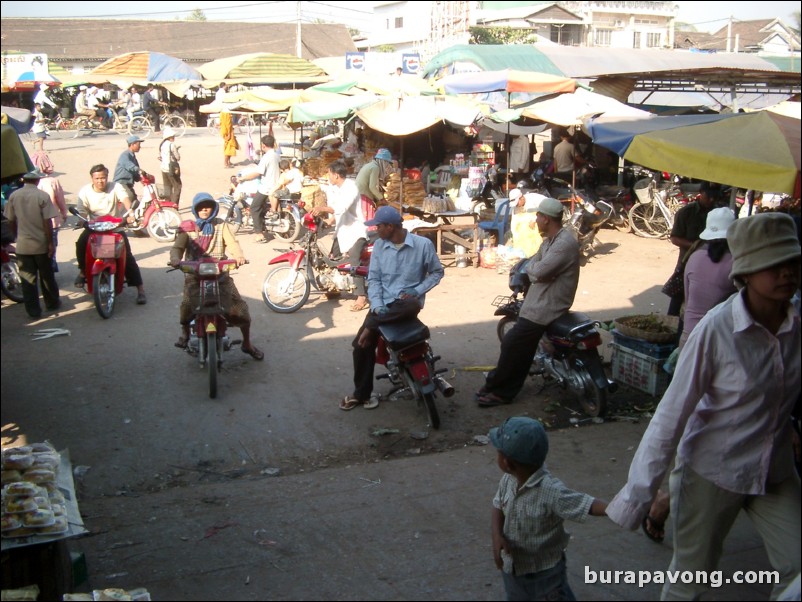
[[675, 285], [175, 169]]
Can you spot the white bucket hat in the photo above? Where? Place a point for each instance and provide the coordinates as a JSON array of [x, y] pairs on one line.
[[168, 133], [718, 220]]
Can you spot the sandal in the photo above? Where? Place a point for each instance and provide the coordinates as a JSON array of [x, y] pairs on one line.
[[360, 306], [654, 529], [261, 240], [254, 353], [349, 402], [371, 403], [489, 400], [181, 343]]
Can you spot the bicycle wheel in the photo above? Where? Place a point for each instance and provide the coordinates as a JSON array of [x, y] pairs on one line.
[[641, 218], [177, 123], [140, 126], [213, 125]]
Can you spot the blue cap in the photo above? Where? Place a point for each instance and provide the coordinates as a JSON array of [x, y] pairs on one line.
[[384, 155], [131, 139], [385, 215], [521, 439]]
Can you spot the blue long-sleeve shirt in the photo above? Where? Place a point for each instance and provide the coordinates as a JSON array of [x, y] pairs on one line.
[[413, 265], [127, 170]]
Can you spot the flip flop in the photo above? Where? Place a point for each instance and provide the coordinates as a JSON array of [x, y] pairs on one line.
[[349, 403], [181, 343], [254, 353], [371, 403], [489, 400], [360, 306], [657, 527]]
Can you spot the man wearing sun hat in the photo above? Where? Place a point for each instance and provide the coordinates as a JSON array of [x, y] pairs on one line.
[[554, 276], [30, 214], [170, 168]]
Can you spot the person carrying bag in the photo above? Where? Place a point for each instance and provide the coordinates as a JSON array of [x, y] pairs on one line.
[[171, 170]]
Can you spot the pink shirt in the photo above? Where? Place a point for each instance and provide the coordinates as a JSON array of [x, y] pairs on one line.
[[726, 412], [706, 285]]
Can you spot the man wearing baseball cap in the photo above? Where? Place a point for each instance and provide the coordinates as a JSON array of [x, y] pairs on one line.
[[554, 275], [403, 268], [128, 171]]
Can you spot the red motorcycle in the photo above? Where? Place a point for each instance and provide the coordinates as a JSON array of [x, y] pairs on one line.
[[105, 261], [286, 288], [157, 216], [208, 338]]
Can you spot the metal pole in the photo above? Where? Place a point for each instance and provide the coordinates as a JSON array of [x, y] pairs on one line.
[[298, 31]]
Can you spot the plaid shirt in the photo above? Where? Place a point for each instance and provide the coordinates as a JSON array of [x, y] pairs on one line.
[[533, 520], [224, 244]]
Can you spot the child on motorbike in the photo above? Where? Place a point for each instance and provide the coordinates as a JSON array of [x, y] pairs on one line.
[[208, 236]]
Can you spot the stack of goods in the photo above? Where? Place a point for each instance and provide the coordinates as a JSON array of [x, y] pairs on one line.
[[414, 192], [113, 593], [329, 156], [316, 167], [31, 501], [436, 204]]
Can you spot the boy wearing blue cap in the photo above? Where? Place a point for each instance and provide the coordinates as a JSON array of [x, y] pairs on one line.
[[529, 508]]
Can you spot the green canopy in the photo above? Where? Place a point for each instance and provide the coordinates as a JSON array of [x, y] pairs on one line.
[[491, 57], [337, 107], [14, 160]]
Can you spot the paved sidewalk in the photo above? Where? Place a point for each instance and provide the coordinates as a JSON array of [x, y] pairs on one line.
[[416, 528]]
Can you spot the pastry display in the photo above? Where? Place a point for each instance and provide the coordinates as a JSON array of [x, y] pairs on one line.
[[20, 504], [11, 521]]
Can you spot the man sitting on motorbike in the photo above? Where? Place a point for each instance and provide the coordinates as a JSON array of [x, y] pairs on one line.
[[208, 236], [98, 199], [290, 181], [403, 268], [554, 275]]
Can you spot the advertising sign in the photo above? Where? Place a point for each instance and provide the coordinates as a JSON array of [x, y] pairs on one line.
[[411, 63], [355, 61], [34, 66]]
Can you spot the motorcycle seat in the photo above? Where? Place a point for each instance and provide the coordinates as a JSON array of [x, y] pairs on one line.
[[403, 334], [572, 325]]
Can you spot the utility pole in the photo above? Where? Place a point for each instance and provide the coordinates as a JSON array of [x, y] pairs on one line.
[[729, 35], [298, 30]]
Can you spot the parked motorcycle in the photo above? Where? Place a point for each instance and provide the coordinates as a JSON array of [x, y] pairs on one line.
[[567, 352], [208, 339], [105, 261], [287, 226], [158, 216], [287, 287], [405, 352], [9, 277]]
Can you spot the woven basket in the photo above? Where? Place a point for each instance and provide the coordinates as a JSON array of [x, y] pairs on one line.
[[671, 322]]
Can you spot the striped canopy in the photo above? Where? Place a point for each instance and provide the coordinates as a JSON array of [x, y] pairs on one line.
[[263, 67], [145, 67]]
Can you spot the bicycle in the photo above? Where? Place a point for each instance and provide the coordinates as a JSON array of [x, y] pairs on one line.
[[83, 123], [650, 217], [247, 121], [142, 126]]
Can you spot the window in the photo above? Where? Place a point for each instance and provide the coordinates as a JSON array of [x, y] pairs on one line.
[[602, 37], [653, 40], [399, 22], [636, 42]]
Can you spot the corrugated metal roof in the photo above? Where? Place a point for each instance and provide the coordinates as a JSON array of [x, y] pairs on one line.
[[493, 57]]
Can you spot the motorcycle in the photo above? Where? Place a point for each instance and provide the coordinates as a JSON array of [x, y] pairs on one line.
[[235, 209], [405, 352], [208, 339], [159, 217], [105, 261], [567, 352], [10, 278], [287, 287]]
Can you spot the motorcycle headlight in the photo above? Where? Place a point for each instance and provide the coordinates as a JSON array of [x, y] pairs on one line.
[[208, 269]]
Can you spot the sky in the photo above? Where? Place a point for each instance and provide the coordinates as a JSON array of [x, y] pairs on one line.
[[705, 16]]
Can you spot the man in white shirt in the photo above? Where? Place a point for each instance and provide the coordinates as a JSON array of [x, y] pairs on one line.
[[350, 232], [48, 106], [268, 171], [81, 106]]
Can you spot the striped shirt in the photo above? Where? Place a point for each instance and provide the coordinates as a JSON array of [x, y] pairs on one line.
[[533, 520]]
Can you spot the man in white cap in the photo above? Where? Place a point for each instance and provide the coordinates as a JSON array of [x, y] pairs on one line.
[[30, 214], [554, 275], [171, 170]]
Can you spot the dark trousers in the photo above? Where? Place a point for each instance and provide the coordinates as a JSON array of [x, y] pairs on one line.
[[517, 352], [32, 269], [365, 357], [153, 113], [172, 187], [132, 274], [550, 584], [259, 208]]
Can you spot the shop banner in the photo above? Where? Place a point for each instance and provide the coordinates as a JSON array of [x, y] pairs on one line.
[[355, 61]]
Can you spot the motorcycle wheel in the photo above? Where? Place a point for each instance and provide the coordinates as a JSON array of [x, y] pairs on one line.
[[592, 399], [293, 227], [431, 410], [285, 290], [163, 225], [504, 326], [211, 362], [234, 220], [620, 221], [103, 293], [11, 282]]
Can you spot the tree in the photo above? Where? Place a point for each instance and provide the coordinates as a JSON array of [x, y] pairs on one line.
[[385, 48], [680, 26], [501, 35], [797, 26], [196, 15]]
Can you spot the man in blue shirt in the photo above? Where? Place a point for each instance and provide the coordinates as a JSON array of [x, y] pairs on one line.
[[127, 170], [403, 268]]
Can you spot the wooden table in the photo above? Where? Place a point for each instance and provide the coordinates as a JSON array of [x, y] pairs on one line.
[[445, 228]]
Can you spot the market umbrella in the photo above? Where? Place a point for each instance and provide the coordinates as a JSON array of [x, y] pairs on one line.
[[146, 67], [757, 151], [14, 160], [571, 109], [264, 68], [29, 80], [509, 81]]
